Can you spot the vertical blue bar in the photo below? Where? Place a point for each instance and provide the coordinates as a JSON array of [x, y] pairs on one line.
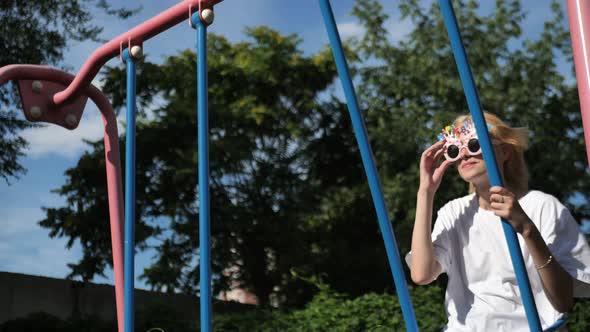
[[129, 259], [370, 168], [489, 158], [203, 147]]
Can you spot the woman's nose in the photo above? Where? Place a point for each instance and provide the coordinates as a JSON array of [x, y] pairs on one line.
[[463, 152]]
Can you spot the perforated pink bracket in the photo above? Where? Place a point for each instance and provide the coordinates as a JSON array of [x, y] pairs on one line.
[[37, 106]]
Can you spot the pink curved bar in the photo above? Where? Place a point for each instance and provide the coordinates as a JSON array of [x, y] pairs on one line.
[[579, 21], [135, 36], [112, 159]]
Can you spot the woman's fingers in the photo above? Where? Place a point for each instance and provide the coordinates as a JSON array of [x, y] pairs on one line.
[[443, 167], [496, 198], [433, 149], [437, 155], [436, 146], [499, 190]]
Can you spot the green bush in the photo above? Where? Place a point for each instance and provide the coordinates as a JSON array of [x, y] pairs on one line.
[[328, 311], [163, 318], [579, 318]]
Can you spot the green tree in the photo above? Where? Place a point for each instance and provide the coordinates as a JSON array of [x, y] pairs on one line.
[[37, 32], [289, 195], [263, 102]]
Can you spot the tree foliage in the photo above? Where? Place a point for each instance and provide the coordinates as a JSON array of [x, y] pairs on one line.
[[289, 195], [263, 104], [328, 311]]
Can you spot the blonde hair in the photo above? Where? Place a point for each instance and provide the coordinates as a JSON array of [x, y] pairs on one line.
[[515, 171]]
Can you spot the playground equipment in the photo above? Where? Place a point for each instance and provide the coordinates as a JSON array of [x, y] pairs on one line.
[[579, 22], [50, 95], [37, 85]]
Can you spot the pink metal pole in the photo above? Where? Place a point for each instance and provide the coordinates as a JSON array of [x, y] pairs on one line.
[[112, 158], [579, 21], [115, 193], [135, 36]]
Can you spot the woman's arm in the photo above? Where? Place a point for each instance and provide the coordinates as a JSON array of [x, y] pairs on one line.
[[557, 283], [424, 267]]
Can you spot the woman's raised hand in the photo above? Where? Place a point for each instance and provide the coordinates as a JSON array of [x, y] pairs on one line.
[[431, 173]]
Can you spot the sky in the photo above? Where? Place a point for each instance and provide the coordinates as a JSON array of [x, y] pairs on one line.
[[25, 247]]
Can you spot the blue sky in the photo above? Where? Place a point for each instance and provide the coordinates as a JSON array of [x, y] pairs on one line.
[[24, 246]]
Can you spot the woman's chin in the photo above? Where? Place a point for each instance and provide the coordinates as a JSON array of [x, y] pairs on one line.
[[475, 177]]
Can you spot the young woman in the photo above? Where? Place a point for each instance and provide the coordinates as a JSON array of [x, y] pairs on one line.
[[468, 243]]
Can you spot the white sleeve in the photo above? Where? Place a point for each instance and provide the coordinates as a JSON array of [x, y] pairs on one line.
[[442, 243], [568, 246], [440, 240]]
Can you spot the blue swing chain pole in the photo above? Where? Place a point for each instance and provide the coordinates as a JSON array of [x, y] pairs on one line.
[[129, 244], [203, 155], [489, 158], [370, 169]]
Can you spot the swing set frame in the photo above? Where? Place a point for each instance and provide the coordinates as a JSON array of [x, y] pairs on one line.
[[53, 96]]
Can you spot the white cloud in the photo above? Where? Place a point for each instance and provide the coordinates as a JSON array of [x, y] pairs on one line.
[[350, 29], [26, 248], [398, 30], [19, 221], [52, 139], [47, 258]]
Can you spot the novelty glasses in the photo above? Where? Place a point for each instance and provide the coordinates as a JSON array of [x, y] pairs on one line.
[[459, 138], [453, 149]]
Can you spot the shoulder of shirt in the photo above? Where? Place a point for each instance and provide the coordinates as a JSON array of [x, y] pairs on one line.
[[538, 198], [544, 209], [459, 203], [456, 207]]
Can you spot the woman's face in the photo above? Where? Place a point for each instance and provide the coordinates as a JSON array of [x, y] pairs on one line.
[[473, 168]]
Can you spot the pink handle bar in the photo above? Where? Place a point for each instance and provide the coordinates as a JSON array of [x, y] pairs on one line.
[[136, 36], [579, 21], [112, 160]]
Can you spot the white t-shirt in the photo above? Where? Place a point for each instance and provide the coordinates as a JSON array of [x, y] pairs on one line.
[[482, 292]]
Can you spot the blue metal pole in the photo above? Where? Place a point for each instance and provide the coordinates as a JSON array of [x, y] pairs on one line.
[[129, 259], [203, 146], [489, 158], [370, 168]]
